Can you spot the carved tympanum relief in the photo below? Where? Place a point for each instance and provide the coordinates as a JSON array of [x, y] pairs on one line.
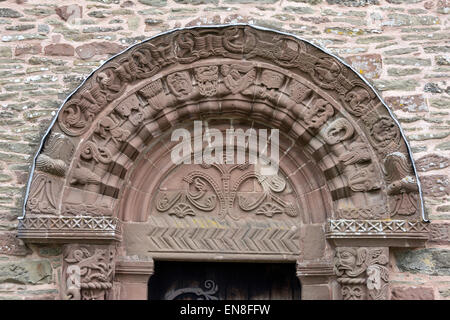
[[236, 191]]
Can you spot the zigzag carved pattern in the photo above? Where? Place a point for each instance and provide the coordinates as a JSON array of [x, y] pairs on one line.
[[203, 234]]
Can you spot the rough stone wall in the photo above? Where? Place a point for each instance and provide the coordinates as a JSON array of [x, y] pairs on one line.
[[48, 47]]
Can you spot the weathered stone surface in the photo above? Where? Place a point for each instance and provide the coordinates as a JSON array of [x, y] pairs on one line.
[[197, 2], [87, 51], [442, 60], [396, 52], [408, 61], [428, 136], [9, 13], [431, 261], [440, 232], [374, 39], [436, 49], [204, 21], [37, 271], [443, 6], [11, 245], [5, 52], [397, 72], [298, 10], [435, 185], [72, 11], [312, 2], [368, 65], [237, 18], [406, 85], [412, 103], [432, 162], [46, 61], [444, 292], [440, 103], [404, 1], [397, 20], [154, 3], [412, 293], [435, 88], [153, 22], [50, 250], [39, 11], [101, 29], [443, 146], [354, 3], [20, 27], [28, 48], [23, 37], [312, 242], [59, 49]]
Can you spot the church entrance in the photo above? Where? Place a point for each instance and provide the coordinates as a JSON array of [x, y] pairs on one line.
[[223, 281]]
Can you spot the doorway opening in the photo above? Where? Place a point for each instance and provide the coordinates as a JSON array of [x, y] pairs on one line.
[[223, 281]]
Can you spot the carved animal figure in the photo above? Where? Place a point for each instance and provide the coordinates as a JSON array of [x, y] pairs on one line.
[[56, 154], [359, 153], [82, 175], [339, 130]]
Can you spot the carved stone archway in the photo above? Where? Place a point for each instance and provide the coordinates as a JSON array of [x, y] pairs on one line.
[[103, 183]]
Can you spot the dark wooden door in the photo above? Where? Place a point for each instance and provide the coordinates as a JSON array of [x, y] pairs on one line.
[[223, 281]]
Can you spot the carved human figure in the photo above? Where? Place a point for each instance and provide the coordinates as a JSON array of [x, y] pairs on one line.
[[362, 272], [207, 79], [238, 77], [180, 83]]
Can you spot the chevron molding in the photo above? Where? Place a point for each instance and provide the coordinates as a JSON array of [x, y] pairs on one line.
[[210, 235]]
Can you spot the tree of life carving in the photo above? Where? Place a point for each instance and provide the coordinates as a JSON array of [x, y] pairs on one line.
[[237, 188]]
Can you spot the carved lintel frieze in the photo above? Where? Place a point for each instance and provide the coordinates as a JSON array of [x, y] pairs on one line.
[[382, 227], [362, 272], [44, 228], [399, 233], [88, 271]]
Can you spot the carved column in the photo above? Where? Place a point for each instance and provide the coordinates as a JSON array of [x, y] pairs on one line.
[[362, 272], [132, 277], [88, 271]]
